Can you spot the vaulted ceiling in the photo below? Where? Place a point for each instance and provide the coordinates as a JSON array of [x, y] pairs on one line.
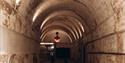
[[65, 17], [71, 18]]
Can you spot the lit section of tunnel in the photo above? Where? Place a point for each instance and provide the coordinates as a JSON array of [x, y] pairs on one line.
[[95, 29], [63, 19], [68, 24], [66, 20]]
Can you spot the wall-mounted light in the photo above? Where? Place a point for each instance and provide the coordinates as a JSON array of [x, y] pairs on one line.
[[46, 43], [57, 38], [17, 4]]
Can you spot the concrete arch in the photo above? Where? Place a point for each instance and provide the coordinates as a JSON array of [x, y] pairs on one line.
[[73, 36], [73, 32], [71, 17], [64, 13], [44, 11], [59, 30]]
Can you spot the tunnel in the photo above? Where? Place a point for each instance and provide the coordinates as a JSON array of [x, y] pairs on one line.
[[88, 31]]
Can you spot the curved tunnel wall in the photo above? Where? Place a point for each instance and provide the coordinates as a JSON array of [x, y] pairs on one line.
[[18, 42], [105, 44], [103, 22], [104, 41]]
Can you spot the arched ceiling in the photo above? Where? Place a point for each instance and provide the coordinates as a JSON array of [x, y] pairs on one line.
[[63, 15], [54, 27], [74, 17], [66, 23], [66, 17], [49, 36]]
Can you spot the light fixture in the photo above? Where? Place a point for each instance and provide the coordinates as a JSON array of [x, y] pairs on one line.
[[17, 4], [57, 38], [52, 47], [46, 43]]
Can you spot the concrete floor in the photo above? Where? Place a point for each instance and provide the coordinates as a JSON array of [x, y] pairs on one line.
[[56, 61], [46, 59]]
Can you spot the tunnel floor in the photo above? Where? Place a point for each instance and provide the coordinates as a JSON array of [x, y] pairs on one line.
[[56, 61], [48, 59]]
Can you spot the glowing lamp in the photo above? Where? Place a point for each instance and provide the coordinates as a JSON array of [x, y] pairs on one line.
[[17, 4], [57, 38]]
